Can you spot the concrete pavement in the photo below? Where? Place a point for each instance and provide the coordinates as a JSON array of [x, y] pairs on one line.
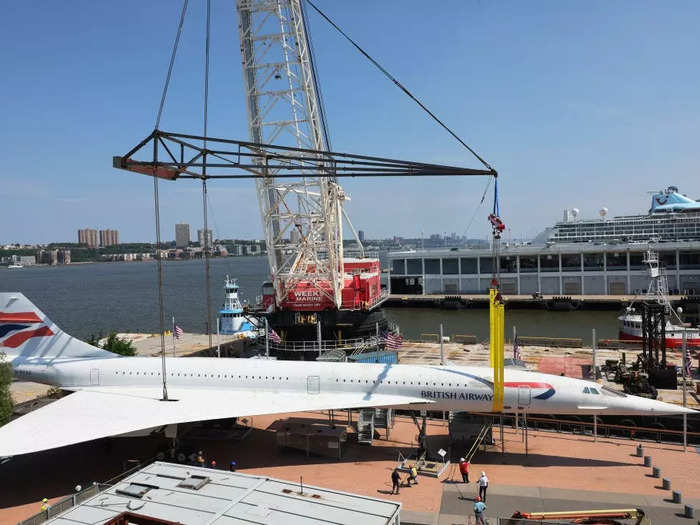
[[504, 500]]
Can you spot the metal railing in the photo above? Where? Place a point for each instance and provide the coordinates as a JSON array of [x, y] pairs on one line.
[[79, 497], [64, 504], [605, 429], [350, 346]]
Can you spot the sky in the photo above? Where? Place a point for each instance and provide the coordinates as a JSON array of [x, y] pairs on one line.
[[576, 104]]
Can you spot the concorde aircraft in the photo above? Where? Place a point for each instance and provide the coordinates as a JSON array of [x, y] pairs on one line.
[[115, 395]]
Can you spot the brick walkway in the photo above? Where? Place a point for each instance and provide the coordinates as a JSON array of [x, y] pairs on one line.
[[555, 462]]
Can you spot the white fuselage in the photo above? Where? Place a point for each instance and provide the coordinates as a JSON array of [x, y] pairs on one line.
[[442, 387]]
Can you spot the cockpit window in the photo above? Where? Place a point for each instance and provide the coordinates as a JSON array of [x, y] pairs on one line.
[[586, 391], [607, 391], [594, 391]]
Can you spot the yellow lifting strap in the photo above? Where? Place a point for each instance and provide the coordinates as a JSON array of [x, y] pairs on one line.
[[496, 342]]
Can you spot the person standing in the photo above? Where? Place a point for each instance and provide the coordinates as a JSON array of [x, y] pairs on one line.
[[464, 470], [483, 485], [479, 508], [412, 475], [44, 504], [395, 481], [201, 462]]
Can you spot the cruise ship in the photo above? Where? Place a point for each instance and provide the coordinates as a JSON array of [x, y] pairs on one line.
[[604, 256]]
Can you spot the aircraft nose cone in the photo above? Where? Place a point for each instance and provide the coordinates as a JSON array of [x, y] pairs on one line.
[[660, 407]]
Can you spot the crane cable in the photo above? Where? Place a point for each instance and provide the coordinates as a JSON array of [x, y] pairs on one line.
[[206, 248], [476, 210], [433, 116], [497, 228], [172, 62], [402, 87]]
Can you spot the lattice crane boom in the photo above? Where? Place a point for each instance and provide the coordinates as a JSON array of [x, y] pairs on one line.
[[302, 218]]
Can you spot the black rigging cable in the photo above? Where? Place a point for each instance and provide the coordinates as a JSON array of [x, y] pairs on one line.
[[172, 63], [401, 87]]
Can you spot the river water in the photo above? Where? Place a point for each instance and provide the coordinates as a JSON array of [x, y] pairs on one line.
[[86, 299]]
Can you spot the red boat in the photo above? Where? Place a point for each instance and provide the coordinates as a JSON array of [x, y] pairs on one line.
[[631, 330]]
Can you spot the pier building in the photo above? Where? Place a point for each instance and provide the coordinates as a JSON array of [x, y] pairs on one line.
[[578, 257], [555, 269]]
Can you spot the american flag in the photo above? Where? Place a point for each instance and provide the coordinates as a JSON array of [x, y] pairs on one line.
[[516, 349], [688, 363], [392, 340], [274, 336], [178, 332]]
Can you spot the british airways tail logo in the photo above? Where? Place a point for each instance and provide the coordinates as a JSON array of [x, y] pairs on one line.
[[548, 389], [17, 328]]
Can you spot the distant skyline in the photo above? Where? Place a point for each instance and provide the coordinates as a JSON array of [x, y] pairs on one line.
[[575, 104]]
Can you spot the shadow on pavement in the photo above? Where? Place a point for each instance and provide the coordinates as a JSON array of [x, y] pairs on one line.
[[31, 477], [542, 460]]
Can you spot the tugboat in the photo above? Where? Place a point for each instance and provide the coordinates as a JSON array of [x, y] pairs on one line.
[[232, 318], [631, 321]]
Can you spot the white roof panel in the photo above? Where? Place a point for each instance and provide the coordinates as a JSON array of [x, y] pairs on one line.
[[229, 498]]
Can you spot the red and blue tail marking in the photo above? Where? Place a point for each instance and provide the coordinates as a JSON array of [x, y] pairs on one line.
[[548, 389], [18, 327]]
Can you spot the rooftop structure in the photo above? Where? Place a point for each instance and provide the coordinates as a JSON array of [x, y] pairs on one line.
[[186, 494]]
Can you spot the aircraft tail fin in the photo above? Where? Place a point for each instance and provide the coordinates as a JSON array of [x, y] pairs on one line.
[[26, 332]]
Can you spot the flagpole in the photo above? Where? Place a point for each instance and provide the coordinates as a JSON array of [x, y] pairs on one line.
[[174, 354], [165, 372], [515, 336], [218, 340], [267, 342], [685, 364]]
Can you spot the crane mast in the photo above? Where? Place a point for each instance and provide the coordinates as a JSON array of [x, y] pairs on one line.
[[302, 218]]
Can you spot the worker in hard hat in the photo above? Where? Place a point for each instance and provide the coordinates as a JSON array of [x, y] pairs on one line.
[[479, 508], [464, 470], [412, 475], [483, 483], [44, 505]]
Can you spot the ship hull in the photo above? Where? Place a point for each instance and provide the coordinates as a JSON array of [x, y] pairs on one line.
[[335, 324], [671, 342]]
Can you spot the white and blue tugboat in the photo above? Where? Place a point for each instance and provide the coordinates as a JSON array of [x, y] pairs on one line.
[[231, 317]]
